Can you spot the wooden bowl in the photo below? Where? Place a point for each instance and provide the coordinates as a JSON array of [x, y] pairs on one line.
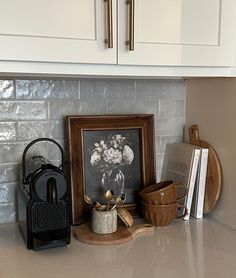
[[159, 215], [162, 193]]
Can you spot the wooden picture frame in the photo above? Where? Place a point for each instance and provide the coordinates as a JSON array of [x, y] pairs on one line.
[[102, 148]]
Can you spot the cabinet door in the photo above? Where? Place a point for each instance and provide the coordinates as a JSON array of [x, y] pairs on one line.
[[56, 31], [179, 32]]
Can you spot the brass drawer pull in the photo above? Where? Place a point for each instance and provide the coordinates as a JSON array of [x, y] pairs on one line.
[[109, 40], [130, 41]]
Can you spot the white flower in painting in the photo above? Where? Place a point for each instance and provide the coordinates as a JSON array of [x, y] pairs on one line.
[[112, 156], [98, 149], [128, 155], [95, 158], [111, 153], [103, 145], [118, 137]]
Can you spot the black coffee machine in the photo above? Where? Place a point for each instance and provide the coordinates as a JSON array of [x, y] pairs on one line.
[[43, 201]]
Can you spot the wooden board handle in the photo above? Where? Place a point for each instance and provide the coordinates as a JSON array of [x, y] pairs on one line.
[[194, 135], [140, 228]]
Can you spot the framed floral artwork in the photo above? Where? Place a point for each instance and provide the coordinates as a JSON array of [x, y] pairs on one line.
[[109, 152]]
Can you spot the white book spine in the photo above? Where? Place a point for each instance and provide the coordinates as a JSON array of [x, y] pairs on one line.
[[192, 182], [202, 183]]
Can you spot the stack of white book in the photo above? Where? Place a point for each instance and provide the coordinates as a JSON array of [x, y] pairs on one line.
[[186, 164]]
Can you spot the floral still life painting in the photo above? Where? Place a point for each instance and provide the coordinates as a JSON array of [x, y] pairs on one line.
[[112, 161], [109, 153]]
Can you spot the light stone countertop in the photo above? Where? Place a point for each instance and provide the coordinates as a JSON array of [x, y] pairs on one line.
[[184, 249]]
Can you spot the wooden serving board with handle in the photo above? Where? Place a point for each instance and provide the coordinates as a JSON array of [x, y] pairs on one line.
[[214, 173], [123, 234]]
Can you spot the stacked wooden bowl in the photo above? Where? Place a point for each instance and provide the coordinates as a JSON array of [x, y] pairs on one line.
[[159, 203]]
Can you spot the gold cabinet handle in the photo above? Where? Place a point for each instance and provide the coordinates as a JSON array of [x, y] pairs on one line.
[[109, 40], [130, 41]]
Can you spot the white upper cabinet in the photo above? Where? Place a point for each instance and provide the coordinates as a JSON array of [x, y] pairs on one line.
[[178, 32], [65, 35], [71, 31]]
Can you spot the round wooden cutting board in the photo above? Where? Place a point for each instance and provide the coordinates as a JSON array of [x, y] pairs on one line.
[[214, 173], [123, 234]]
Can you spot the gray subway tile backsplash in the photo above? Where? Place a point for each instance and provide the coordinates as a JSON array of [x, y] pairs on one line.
[[171, 108], [59, 108], [169, 126], [23, 110], [160, 158], [7, 131], [8, 172], [36, 108], [47, 89], [8, 202], [33, 129], [111, 89], [11, 152], [7, 89], [33, 89], [160, 89], [57, 129], [134, 106]]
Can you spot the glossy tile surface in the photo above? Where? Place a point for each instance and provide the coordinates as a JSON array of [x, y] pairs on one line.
[[33, 108], [194, 249]]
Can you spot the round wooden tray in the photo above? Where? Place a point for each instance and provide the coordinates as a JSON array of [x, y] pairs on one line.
[[123, 234]]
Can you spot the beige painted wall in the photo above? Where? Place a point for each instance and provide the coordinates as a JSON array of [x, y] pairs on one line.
[[211, 103]]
